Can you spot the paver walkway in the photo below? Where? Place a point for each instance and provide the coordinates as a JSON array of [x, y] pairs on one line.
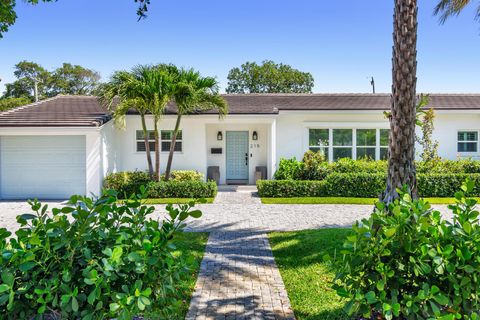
[[238, 276]]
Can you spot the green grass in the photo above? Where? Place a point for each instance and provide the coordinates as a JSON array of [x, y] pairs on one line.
[[307, 278], [189, 245], [343, 200], [173, 200]]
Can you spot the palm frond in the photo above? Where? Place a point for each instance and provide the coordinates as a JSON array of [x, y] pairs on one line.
[[448, 8]]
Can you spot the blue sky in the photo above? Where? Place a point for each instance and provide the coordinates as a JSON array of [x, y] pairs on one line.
[[341, 42]]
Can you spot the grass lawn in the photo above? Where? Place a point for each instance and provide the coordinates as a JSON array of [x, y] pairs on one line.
[[299, 256], [173, 200], [190, 244], [342, 200]]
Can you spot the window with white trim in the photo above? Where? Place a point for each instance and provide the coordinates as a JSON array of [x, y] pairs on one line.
[[318, 141], [140, 140], [166, 140], [384, 136], [467, 141], [366, 143], [342, 143]]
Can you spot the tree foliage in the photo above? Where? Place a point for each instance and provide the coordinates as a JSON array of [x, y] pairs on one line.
[[8, 15], [429, 146], [68, 79], [269, 77], [9, 103]]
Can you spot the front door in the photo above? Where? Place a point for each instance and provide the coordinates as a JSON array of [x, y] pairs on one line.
[[237, 157]]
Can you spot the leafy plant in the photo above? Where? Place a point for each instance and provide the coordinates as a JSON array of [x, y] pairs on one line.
[[406, 262], [289, 169], [127, 182], [182, 189], [429, 146], [186, 175], [314, 166], [93, 259]]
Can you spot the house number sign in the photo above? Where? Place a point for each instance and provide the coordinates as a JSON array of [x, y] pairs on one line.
[[254, 145]]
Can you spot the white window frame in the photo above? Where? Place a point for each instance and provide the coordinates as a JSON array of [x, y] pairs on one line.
[[325, 148], [345, 125], [374, 147], [143, 141], [170, 140], [468, 141]]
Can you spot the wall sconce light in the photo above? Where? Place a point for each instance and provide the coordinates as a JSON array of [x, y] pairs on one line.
[[219, 136], [254, 135]]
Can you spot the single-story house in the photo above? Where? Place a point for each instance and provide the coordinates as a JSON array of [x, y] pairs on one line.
[[68, 144]]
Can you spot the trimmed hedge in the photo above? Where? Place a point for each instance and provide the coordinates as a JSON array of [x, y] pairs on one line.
[[363, 185], [129, 182], [182, 189]]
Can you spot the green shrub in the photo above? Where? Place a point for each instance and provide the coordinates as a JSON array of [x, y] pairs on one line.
[[347, 165], [364, 185], [289, 169], [182, 189], [290, 188], [126, 183], [10, 103], [93, 259], [408, 263], [186, 175], [314, 166], [449, 166]]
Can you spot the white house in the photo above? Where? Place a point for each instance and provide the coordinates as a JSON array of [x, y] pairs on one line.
[[68, 144]]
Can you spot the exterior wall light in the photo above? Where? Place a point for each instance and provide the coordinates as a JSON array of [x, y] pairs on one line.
[[219, 136], [255, 135]]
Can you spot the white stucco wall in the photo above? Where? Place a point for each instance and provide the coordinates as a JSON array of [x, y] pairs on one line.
[[292, 129]]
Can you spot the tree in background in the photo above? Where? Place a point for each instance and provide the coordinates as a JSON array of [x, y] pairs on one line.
[[429, 146], [74, 79], [9, 103], [34, 81], [269, 77], [193, 93]]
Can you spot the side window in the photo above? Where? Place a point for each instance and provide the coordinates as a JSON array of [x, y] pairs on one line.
[[318, 141], [140, 139], [166, 140], [467, 141]]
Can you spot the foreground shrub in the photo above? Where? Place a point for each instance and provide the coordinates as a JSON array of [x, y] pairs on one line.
[[406, 262], [94, 259], [364, 185], [127, 182], [182, 189]]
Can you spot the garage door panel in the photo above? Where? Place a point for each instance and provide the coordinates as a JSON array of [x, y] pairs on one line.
[[44, 167]]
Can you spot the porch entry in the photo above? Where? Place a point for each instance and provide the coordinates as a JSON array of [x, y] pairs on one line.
[[237, 157]]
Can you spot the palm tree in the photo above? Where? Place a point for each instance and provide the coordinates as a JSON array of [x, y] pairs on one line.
[[447, 8], [123, 92], [193, 93], [401, 155]]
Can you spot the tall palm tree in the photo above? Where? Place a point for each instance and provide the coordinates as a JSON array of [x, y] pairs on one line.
[[193, 93], [158, 82], [447, 8], [401, 155], [123, 92]]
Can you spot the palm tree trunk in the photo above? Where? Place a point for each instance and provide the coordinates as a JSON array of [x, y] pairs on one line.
[[401, 155], [172, 148], [147, 146], [157, 150]]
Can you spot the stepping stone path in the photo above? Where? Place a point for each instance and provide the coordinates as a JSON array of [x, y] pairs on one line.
[[238, 276]]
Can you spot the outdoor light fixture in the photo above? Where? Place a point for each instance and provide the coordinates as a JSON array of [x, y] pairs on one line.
[[254, 135], [219, 136]]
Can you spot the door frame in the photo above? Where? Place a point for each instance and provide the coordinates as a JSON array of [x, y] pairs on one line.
[[247, 143]]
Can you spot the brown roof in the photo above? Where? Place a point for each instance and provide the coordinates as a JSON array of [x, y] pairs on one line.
[[60, 111], [84, 111]]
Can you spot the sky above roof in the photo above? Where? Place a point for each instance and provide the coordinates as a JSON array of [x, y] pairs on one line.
[[342, 43]]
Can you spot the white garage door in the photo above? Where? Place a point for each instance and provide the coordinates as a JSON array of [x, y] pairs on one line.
[[43, 167]]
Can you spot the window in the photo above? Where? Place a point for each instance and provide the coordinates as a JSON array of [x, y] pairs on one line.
[[342, 143], [166, 140], [467, 141], [384, 133], [318, 141], [366, 143], [140, 139]]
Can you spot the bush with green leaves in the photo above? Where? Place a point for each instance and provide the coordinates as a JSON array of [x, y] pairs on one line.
[[93, 259], [289, 169], [314, 166], [407, 262], [186, 175], [182, 189], [364, 185], [126, 183]]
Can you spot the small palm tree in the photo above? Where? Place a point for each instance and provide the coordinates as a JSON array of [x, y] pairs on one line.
[[448, 8], [125, 91], [193, 93]]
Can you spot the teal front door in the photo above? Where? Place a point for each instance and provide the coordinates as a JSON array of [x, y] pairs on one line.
[[237, 157]]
